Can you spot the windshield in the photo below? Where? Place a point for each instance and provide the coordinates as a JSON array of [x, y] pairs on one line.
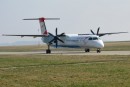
[[93, 38]]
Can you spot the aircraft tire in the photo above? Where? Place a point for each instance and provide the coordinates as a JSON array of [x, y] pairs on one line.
[[98, 51], [87, 50], [48, 51]]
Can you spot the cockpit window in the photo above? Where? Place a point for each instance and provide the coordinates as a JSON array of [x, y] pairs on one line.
[[90, 38], [93, 38]]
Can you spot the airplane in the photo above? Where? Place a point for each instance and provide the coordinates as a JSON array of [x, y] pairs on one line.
[[85, 41]]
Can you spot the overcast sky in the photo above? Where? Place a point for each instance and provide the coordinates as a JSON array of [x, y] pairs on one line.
[[76, 16]]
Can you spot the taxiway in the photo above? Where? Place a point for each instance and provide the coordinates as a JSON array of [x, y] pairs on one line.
[[69, 53]]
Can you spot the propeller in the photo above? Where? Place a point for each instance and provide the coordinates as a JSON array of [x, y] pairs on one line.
[[56, 38], [97, 32]]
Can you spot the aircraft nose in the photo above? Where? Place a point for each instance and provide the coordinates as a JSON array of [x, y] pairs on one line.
[[100, 44]]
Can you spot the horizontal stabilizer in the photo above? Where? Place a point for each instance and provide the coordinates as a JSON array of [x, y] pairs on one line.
[[42, 18]]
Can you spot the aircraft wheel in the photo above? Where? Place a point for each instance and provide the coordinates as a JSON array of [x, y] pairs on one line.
[[87, 50], [48, 51], [98, 50]]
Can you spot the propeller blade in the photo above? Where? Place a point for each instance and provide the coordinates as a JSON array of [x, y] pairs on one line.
[[51, 35], [98, 30], [51, 41], [92, 32], [60, 40], [62, 34], [56, 39], [56, 31]]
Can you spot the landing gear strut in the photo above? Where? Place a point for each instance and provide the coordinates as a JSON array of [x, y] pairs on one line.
[[98, 50], [48, 51], [87, 50]]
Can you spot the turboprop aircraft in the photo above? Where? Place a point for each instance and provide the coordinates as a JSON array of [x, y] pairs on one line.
[[85, 41]]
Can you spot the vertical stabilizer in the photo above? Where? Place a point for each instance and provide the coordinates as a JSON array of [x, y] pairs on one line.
[[43, 26]]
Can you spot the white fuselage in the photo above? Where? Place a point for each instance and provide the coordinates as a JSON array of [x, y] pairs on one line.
[[77, 41]]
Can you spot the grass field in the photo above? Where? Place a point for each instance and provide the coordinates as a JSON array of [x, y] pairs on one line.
[[39, 70], [117, 46], [64, 71]]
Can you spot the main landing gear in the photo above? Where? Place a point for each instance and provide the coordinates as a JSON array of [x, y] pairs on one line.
[[87, 50], [48, 51]]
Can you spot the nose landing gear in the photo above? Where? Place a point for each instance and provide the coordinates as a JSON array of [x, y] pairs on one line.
[[98, 50]]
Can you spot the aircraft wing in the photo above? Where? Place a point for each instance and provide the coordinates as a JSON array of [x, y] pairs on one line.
[[102, 34], [25, 35]]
